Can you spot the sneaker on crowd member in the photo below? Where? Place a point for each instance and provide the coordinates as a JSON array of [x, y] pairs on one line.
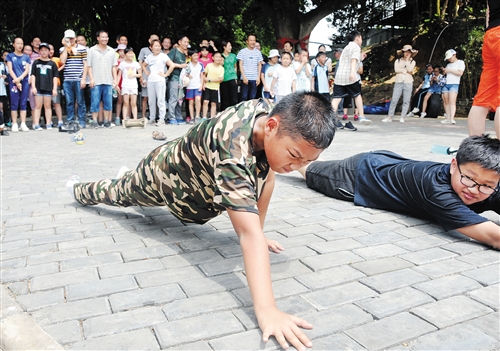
[[349, 126]]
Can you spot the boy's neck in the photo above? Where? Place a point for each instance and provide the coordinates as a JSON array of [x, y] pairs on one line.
[[128, 60]]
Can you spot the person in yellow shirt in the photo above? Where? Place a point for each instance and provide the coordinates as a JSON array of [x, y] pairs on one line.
[[214, 75]]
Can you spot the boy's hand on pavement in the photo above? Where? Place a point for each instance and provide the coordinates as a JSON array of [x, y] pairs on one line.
[[285, 328], [274, 246]]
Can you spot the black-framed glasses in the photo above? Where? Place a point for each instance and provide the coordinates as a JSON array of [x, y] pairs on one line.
[[471, 183]]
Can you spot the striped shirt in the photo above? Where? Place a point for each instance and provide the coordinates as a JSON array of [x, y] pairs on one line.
[[74, 63], [102, 63], [251, 59]]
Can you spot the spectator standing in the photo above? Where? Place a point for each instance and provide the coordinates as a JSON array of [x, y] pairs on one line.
[[453, 71], [74, 58], [19, 67], [488, 93], [145, 51], [328, 62], [102, 65], [81, 40], [268, 72], [204, 57], [128, 71], [250, 63], [214, 75], [229, 86], [56, 100], [166, 45], [120, 50], [404, 67], [303, 71], [178, 58], [319, 79], [194, 90], [284, 78], [3, 97]]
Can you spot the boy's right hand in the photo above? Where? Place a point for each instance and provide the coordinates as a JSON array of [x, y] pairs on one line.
[[285, 328]]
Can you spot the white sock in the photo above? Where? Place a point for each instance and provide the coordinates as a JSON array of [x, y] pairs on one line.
[[70, 184]]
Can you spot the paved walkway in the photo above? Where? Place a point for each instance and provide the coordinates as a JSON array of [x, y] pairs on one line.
[[99, 277]]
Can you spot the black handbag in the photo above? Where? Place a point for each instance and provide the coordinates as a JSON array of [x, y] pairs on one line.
[[70, 127]]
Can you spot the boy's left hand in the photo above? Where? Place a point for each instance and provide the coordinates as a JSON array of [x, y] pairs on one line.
[[274, 246], [284, 327]]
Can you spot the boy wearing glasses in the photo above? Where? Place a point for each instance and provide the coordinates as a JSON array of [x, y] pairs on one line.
[[451, 194]]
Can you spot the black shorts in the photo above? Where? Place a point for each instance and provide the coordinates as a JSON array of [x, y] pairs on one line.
[[352, 90], [335, 179], [211, 95]]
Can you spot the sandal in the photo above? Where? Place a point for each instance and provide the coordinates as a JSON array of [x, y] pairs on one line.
[[159, 135]]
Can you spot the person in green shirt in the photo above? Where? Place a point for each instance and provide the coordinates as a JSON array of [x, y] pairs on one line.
[[229, 86]]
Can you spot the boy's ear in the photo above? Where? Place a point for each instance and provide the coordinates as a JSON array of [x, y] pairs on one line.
[[272, 124], [453, 165]]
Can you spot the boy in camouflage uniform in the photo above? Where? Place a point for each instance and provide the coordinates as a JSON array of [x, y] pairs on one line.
[[227, 163]]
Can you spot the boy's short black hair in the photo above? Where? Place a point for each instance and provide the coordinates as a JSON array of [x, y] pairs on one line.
[[286, 53], [192, 51], [306, 115], [320, 53], [483, 150], [203, 48], [353, 35], [128, 48]]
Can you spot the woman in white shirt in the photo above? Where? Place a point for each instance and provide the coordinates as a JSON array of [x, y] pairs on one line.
[[453, 71]]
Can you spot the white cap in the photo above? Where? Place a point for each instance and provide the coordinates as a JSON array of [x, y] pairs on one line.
[[69, 34], [449, 54], [274, 53]]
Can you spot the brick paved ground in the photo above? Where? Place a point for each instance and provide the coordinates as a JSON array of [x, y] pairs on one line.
[[108, 278]]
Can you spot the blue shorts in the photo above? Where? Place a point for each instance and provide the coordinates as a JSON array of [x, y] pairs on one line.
[[44, 93], [450, 88], [192, 93], [104, 93]]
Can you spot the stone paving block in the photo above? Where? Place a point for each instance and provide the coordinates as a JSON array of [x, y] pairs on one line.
[[56, 256], [281, 288], [223, 266], [64, 312], [28, 251], [381, 265], [380, 238], [157, 295], [382, 217], [226, 282], [295, 305], [381, 227], [56, 238], [334, 259], [335, 320], [411, 221], [86, 242], [448, 286], [66, 332], [336, 342], [290, 242], [98, 229], [336, 245], [355, 213], [330, 277], [421, 243], [100, 288], [12, 245], [464, 247], [290, 254], [39, 224], [482, 258], [116, 247], [394, 280], [175, 275], [35, 301], [197, 328], [135, 267], [457, 337], [14, 263], [14, 222], [379, 251], [197, 245], [249, 340], [345, 223], [488, 275], [232, 250], [427, 256], [150, 252], [49, 281], [19, 288], [445, 267], [23, 273], [390, 331], [488, 324], [21, 232], [342, 233], [90, 261], [488, 296], [288, 270], [207, 303], [420, 230], [394, 302], [142, 339], [452, 310], [194, 346], [122, 321], [338, 295]]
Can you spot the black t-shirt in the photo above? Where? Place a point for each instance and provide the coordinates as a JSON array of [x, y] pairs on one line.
[[494, 20], [387, 181], [44, 72]]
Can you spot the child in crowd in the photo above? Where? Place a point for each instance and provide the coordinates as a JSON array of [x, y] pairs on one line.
[[451, 194], [194, 90], [3, 97], [154, 66], [120, 50], [19, 67], [214, 75], [128, 72], [319, 79], [284, 78], [44, 74], [205, 57], [303, 71], [56, 100], [268, 72], [205, 173], [437, 82]]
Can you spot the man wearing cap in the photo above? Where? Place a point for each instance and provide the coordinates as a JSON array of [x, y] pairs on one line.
[[453, 71], [74, 58], [102, 67]]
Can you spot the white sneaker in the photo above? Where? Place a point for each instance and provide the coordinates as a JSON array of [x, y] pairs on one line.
[[122, 171], [14, 128], [24, 127], [387, 119], [411, 114], [415, 110], [70, 184], [364, 120], [402, 120], [423, 114]]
